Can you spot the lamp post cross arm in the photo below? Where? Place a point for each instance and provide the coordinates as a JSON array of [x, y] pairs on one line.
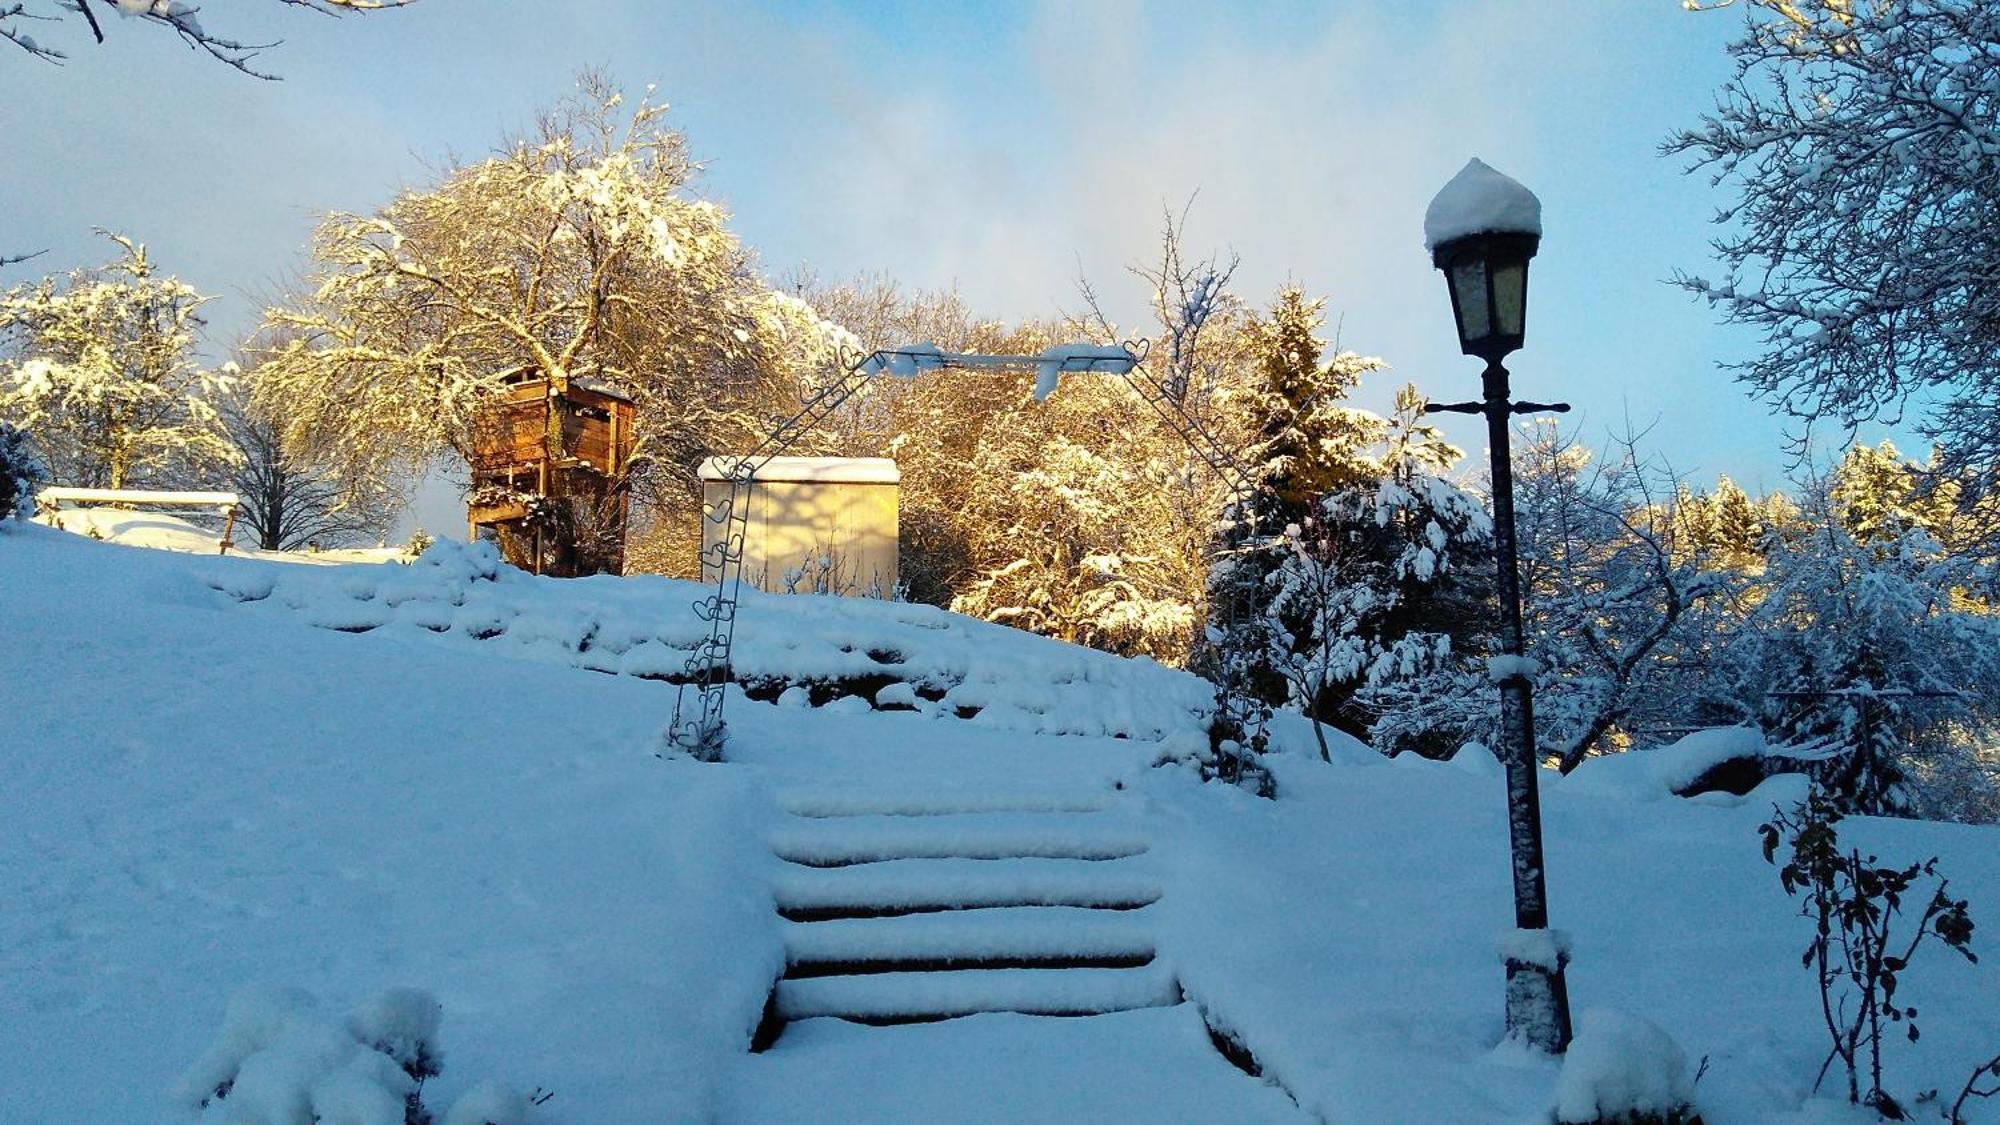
[[1483, 408]]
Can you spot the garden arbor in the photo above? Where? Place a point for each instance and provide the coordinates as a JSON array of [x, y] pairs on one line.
[[697, 725]]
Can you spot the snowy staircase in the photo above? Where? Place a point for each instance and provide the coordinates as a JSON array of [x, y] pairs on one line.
[[915, 907]]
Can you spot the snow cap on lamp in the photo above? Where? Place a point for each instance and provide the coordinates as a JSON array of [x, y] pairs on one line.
[[1480, 200]]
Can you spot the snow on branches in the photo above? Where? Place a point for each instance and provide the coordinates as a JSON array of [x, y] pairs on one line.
[[181, 17], [577, 252], [1863, 144], [99, 368]]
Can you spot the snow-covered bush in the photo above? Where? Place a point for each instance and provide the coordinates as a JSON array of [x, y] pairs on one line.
[[1623, 1070], [20, 472], [492, 1102], [402, 1023], [280, 1058]]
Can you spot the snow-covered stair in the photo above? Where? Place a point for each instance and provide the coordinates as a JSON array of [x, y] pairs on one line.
[[909, 907]]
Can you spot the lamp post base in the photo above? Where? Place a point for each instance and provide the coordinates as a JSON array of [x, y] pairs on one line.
[[1537, 993]]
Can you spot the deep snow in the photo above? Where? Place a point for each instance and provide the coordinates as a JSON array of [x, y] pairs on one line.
[[210, 782]]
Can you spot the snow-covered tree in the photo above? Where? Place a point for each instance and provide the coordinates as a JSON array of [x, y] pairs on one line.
[[20, 473], [1882, 656], [287, 503], [1309, 442], [578, 252], [1409, 552], [20, 19], [1613, 601], [1862, 141], [1303, 443], [1369, 596], [99, 366], [1084, 568], [573, 253], [1880, 497]]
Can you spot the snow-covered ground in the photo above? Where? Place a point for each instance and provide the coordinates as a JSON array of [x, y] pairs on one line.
[[225, 771]]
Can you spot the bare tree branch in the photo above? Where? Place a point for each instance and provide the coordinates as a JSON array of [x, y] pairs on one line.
[[183, 18]]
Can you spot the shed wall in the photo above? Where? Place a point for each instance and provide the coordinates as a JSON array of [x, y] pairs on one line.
[[794, 525]]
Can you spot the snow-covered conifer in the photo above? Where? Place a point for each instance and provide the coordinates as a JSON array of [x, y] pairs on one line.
[[1384, 588], [20, 472]]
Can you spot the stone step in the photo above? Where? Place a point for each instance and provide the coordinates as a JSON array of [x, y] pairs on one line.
[[1051, 937], [871, 838], [933, 802], [915, 996], [911, 886]]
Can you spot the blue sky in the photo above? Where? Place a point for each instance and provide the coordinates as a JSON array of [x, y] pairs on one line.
[[1000, 147]]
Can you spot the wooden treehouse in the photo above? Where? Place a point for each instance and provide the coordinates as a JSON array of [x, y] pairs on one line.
[[550, 460]]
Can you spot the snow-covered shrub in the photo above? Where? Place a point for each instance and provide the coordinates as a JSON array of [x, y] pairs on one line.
[[20, 472], [457, 563], [402, 1023], [1623, 1070], [1858, 951], [282, 1059], [492, 1102]]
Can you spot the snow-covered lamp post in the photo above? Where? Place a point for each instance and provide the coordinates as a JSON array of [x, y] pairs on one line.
[[1481, 230]]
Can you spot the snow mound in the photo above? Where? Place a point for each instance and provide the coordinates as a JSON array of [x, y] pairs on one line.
[[1480, 200], [858, 654], [492, 1102], [280, 1060], [1649, 775], [1621, 1066], [1479, 760], [402, 1023]]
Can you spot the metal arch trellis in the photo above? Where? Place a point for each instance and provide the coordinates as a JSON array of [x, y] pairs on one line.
[[699, 730]]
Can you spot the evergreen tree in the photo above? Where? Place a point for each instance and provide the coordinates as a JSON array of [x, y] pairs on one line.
[[1736, 532], [1694, 523], [20, 473], [1307, 444], [1880, 497], [1384, 585]]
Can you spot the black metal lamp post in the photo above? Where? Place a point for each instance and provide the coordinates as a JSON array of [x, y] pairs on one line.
[[1481, 231]]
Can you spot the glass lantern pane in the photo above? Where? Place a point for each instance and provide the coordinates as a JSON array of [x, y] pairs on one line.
[[1468, 283], [1510, 297]]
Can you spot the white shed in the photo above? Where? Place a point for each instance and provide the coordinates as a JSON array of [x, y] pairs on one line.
[[817, 524]]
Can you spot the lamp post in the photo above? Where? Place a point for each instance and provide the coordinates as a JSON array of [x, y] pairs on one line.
[[1481, 230]]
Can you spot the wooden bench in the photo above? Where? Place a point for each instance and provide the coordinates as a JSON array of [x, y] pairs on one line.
[[224, 504]]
